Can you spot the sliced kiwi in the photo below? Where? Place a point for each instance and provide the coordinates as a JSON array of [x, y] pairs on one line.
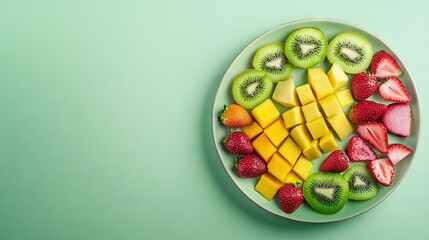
[[306, 47], [251, 87], [326, 192], [271, 59], [351, 50], [362, 186]]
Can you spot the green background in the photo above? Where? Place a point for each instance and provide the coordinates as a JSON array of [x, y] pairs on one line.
[[105, 119]]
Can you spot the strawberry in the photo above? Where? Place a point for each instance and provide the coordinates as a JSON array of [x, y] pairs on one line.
[[375, 134], [396, 152], [366, 111], [250, 165], [234, 116], [393, 90], [383, 65], [237, 142], [363, 86], [336, 162], [397, 119], [290, 198], [359, 150], [383, 170]]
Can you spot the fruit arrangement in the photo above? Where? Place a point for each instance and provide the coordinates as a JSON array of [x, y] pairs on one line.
[[279, 130]]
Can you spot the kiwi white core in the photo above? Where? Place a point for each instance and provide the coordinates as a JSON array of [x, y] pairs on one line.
[[327, 192], [306, 48], [359, 182], [276, 63], [252, 88], [350, 53]]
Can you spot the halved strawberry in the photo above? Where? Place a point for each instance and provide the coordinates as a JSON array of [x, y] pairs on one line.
[[396, 152], [383, 65], [366, 111], [383, 170], [397, 119], [393, 90], [375, 134], [359, 150]]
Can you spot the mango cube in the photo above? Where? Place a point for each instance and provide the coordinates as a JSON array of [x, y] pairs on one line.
[[341, 125], [305, 94], [265, 113], [303, 168], [276, 132], [293, 178], [252, 130], [279, 167], [317, 127], [268, 186], [337, 76], [311, 111], [293, 117], [301, 135], [264, 147], [330, 105], [290, 150], [285, 93], [328, 142], [313, 150], [319, 82], [344, 97]]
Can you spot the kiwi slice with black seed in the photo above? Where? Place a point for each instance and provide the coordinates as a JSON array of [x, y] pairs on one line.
[[251, 87], [351, 50], [326, 192], [271, 59], [306, 47], [362, 185]]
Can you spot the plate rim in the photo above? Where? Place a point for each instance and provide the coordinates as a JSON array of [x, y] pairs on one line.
[[416, 124]]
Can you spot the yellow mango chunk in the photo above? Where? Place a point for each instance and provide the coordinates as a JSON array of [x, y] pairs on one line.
[[330, 105], [285, 93], [305, 94], [252, 130], [264, 147], [293, 117], [290, 150], [319, 82], [279, 167], [303, 168], [293, 178], [317, 127], [313, 150], [337, 76], [311, 111], [276, 132], [268, 186], [328, 142], [344, 97], [341, 125], [301, 135], [265, 113]]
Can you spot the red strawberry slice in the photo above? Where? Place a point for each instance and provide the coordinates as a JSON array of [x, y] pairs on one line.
[[238, 143], [383, 170], [290, 198], [396, 152], [383, 65], [250, 165], [336, 162], [397, 119], [363, 86], [366, 111], [375, 134], [358, 150], [393, 90]]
